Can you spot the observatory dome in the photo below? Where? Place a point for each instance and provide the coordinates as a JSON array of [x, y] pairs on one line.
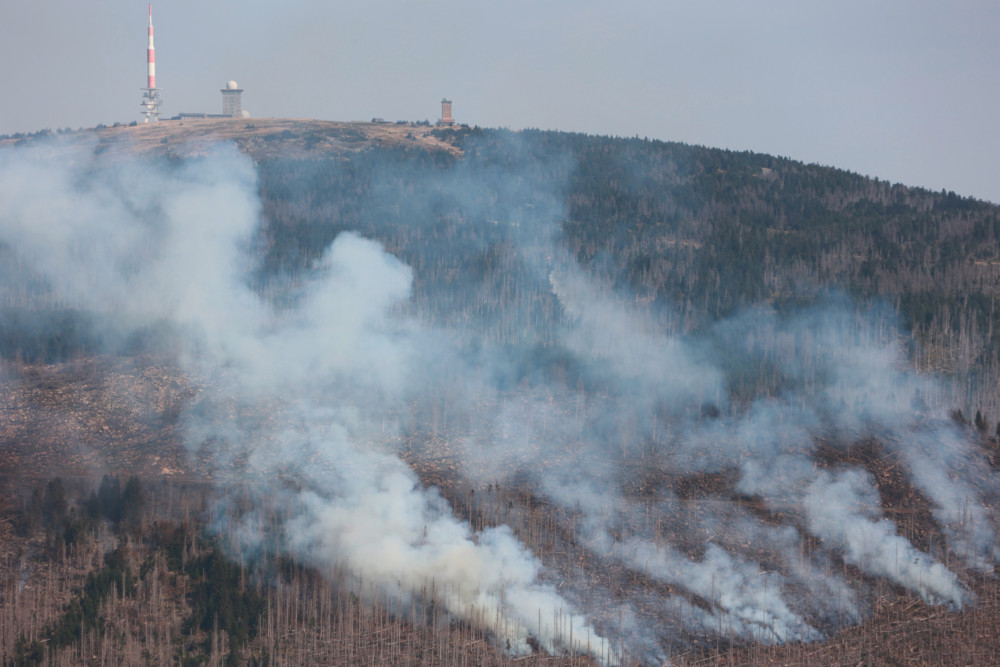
[[231, 85]]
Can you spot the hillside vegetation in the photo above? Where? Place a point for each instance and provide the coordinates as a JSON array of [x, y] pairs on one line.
[[304, 392], [698, 233]]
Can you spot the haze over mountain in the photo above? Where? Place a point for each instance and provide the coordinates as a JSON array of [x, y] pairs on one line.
[[575, 395]]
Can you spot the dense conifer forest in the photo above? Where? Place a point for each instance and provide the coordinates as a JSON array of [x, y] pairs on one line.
[[702, 233]]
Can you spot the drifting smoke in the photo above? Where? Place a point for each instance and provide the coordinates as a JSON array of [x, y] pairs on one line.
[[344, 350], [173, 246]]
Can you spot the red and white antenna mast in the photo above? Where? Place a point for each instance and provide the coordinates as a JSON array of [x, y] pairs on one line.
[[151, 94]]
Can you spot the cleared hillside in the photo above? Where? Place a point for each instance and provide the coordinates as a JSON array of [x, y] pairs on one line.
[[262, 138]]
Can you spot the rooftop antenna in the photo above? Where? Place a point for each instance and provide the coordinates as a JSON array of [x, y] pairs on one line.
[[151, 94]]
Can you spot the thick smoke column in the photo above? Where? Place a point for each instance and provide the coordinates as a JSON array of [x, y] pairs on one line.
[[172, 247]]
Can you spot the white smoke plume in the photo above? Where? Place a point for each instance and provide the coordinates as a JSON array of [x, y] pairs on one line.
[[840, 509], [314, 395], [172, 246]]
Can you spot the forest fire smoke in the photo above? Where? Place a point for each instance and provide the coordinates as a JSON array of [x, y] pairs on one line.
[[320, 361], [299, 387]]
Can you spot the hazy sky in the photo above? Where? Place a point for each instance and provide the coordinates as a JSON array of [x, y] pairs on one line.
[[906, 90]]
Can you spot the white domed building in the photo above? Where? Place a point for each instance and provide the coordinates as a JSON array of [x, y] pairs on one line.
[[232, 102]]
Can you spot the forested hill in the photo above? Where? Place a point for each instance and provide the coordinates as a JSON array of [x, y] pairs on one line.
[[701, 231], [698, 233], [472, 379]]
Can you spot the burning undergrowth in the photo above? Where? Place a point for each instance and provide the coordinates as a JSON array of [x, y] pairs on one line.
[[661, 502]]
